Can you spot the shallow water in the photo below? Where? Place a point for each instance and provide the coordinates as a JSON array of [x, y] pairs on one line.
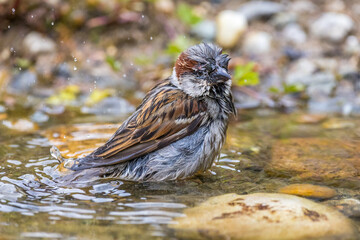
[[33, 205]]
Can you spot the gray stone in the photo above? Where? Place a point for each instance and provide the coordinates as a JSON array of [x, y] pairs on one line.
[[23, 82], [205, 29], [349, 207], [284, 18], [321, 82], [259, 9], [304, 72], [39, 117], [35, 43], [352, 45], [256, 43], [303, 6], [114, 106], [332, 27], [294, 34]]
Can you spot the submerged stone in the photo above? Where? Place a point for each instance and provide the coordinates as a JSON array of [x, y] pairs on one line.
[[309, 190], [22, 125], [78, 140], [315, 158], [310, 118], [337, 124], [263, 216]]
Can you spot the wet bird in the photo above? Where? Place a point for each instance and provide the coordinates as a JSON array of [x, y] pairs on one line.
[[177, 131]]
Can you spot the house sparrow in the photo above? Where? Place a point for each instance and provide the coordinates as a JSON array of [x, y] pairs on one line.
[[178, 129]]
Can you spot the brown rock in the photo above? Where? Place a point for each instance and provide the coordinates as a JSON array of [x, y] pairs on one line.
[[337, 124], [263, 216], [310, 118], [315, 158], [308, 190]]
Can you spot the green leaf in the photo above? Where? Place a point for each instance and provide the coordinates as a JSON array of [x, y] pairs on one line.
[[274, 90], [187, 14], [175, 47], [23, 63], [114, 64], [293, 88], [245, 75]]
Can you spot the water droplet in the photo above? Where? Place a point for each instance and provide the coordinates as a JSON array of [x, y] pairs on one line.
[[13, 10], [151, 38], [75, 68]]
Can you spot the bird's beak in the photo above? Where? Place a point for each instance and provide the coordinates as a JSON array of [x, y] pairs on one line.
[[221, 74]]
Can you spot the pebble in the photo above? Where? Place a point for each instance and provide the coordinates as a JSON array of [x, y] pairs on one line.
[[282, 19], [332, 26], [310, 118], [22, 125], [36, 43], [3, 116], [349, 207], [304, 72], [260, 9], [352, 45], [337, 124], [309, 190], [23, 82], [303, 7], [263, 216], [314, 158], [228, 35], [205, 30], [63, 70], [39, 117], [320, 83], [114, 106], [294, 34], [165, 6], [256, 43]]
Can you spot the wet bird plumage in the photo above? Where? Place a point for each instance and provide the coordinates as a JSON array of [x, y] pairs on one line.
[[178, 129]]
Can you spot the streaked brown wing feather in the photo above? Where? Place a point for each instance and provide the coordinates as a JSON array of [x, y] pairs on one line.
[[160, 120]]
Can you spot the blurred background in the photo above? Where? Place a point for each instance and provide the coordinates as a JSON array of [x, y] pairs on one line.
[[101, 57], [72, 71]]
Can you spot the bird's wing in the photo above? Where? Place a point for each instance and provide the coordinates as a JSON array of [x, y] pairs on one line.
[[160, 120]]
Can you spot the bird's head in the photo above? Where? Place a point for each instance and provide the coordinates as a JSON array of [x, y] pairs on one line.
[[201, 67]]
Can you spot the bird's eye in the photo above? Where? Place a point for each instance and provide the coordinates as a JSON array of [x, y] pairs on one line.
[[210, 68]]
